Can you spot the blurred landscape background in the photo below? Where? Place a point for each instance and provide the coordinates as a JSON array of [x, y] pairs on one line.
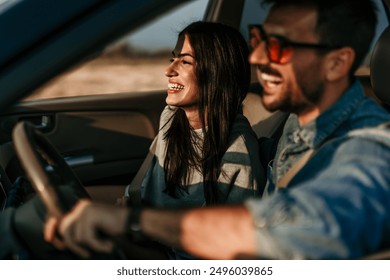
[[135, 63], [121, 68]]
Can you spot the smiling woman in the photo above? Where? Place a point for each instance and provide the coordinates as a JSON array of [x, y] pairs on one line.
[[182, 86], [205, 151]]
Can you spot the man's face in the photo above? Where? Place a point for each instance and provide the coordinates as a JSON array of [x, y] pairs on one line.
[[294, 86], [182, 85]]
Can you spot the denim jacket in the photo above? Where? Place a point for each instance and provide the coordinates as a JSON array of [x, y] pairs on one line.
[[338, 205]]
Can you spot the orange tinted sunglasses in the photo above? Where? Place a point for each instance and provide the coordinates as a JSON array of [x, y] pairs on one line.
[[279, 49]]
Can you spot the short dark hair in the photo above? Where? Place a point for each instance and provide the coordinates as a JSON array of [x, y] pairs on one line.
[[349, 23]]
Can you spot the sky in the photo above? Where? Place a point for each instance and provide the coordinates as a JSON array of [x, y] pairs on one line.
[[162, 33]]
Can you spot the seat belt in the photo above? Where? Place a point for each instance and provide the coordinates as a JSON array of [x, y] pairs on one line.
[[377, 134], [286, 178], [133, 191]]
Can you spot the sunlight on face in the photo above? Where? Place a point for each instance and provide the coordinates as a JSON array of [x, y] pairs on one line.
[[182, 85]]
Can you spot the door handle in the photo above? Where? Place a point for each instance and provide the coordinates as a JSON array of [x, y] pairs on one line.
[[45, 123]]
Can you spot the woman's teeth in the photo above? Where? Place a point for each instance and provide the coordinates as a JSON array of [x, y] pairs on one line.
[[172, 86]]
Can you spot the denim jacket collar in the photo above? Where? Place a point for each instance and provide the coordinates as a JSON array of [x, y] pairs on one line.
[[317, 131]]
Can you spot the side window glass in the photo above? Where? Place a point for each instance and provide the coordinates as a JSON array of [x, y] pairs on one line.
[[134, 63], [254, 12]]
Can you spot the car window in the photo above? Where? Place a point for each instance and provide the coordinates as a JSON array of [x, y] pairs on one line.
[[255, 13], [134, 63]]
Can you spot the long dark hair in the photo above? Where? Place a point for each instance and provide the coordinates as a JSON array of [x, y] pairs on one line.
[[223, 74]]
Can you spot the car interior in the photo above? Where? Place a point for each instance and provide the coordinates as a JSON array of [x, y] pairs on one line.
[[105, 138]]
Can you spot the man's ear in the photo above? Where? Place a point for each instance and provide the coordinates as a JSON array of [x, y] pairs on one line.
[[339, 63]]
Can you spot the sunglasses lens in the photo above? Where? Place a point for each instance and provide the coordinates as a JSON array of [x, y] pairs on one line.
[[277, 49], [278, 53]]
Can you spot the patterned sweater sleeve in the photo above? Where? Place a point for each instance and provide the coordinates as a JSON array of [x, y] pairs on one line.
[[241, 174]]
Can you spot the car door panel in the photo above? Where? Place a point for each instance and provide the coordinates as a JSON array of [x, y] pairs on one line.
[[104, 138]]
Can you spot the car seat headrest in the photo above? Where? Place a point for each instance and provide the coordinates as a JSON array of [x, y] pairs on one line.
[[380, 67]]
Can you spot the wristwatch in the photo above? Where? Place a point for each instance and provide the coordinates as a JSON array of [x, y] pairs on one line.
[[134, 225]]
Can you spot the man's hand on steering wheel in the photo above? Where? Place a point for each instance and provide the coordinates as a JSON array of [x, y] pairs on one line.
[[88, 226]]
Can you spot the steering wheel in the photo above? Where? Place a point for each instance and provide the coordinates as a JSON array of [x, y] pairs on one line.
[[56, 184], [49, 173]]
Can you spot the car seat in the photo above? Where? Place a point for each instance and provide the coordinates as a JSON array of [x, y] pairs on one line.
[[379, 69], [263, 122], [267, 126]]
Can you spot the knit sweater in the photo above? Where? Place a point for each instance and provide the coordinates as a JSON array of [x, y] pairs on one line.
[[241, 174]]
